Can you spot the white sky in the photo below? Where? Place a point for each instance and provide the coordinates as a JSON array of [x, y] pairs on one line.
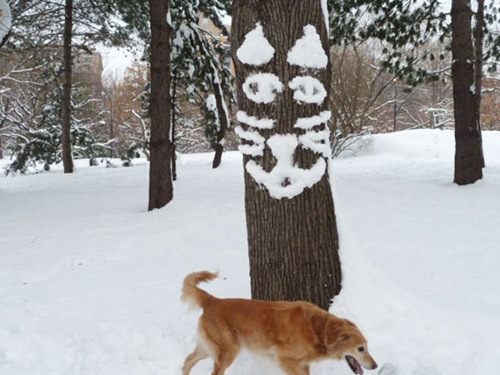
[[115, 61]]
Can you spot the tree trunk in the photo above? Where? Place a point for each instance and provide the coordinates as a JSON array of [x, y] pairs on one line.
[[160, 173], [221, 110], [292, 232], [468, 160], [173, 123], [478, 68], [66, 94]]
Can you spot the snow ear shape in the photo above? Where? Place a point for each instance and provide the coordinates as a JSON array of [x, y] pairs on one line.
[[308, 51], [255, 49]]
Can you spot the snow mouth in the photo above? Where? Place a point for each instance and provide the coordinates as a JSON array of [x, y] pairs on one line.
[[354, 365]]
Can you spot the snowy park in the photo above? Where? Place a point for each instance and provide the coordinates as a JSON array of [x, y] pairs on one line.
[[342, 155], [90, 281]]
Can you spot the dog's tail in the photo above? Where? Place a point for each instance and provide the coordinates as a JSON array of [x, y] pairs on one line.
[[193, 295]]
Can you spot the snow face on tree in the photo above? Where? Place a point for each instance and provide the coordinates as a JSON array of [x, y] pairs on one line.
[[286, 179]]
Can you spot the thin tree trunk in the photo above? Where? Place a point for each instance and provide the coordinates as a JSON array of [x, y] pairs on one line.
[[221, 110], [66, 94], [478, 68], [160, 173], [174, 124], [468, 160], [292, 239]]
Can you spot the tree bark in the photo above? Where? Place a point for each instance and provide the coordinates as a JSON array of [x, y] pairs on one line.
[[468, 160], [293, 241], [173, 123], [160, 173], [66, 83], [478, 68], [219, 100]]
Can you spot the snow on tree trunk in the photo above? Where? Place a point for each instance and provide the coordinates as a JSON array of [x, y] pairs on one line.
[[282, 80], [160, 173], [468, 155]]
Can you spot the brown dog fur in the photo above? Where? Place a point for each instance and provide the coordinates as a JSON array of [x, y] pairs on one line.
[[294, 334]]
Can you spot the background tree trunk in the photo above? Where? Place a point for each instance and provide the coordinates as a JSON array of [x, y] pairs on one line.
[[160, 173], [173, 122], [223, 120], [468, 159], [66, 94], [478, 68], [293, 243]]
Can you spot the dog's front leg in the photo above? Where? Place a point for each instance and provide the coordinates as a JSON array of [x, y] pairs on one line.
[[293, 367]]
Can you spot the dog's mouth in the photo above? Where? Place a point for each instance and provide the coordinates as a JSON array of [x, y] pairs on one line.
[[354, 365]]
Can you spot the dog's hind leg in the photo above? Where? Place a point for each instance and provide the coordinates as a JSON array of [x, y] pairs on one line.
[[192, 359], [223, 360]]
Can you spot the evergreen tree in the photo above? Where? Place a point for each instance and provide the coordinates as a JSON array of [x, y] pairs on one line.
[[199, 63], [198, 59]]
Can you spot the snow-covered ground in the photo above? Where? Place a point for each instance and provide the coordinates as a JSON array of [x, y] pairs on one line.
[[90, 281]]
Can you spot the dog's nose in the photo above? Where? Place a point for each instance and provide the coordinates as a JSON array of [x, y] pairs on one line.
[[374, 366]]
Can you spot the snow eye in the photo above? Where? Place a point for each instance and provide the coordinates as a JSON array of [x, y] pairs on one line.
[[262, 87], [361, 349], [307, 90]]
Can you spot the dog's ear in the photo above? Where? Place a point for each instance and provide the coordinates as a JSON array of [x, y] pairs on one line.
[[318, 324], [344, 337], [335, 336]]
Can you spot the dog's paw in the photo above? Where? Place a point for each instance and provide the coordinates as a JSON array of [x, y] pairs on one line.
[[388, 369]]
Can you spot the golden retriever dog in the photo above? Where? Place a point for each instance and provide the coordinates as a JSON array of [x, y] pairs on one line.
[[294, 334]]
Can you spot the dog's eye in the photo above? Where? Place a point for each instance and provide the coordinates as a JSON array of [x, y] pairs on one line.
[[361, 349]]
